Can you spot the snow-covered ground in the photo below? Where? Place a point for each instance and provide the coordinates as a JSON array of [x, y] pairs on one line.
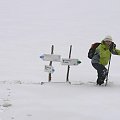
[[59, 101], [28, 28]]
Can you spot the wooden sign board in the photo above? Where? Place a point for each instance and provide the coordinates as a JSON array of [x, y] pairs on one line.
[[49, 69], [66, 61], [51, 57]]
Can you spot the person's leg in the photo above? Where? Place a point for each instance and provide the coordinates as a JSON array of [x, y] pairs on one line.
[[102, 72]]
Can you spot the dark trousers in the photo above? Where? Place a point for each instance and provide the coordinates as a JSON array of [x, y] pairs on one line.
[[101, 70]]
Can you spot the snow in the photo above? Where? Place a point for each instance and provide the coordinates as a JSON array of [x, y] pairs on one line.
[[29, 29], [60, 101]]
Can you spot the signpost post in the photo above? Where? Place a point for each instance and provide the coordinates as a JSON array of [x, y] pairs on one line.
[[50, 64], [68, 68]]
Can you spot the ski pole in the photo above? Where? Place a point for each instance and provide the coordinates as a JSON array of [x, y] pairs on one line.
[[108, 70]]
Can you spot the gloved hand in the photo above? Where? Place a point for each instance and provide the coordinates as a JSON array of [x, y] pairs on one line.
[[112, 46]]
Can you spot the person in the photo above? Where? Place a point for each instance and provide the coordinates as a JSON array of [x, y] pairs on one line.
[[102, 56]]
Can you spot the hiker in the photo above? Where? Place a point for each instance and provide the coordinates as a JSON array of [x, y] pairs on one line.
[[102, 57]]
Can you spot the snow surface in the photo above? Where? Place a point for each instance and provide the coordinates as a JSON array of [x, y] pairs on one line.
[[28, 28]]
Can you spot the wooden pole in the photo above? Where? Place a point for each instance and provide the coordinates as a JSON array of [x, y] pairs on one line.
[[49, 77], [68, 69]]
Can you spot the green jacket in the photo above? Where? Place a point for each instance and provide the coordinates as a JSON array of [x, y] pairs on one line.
[[102, 54]]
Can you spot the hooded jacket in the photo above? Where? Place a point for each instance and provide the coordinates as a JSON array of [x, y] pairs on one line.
[[102, 54]]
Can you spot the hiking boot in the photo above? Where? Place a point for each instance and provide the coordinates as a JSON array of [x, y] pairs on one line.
[[100, 82]]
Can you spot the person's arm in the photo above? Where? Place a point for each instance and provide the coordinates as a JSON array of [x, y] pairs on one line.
[[113, 49]]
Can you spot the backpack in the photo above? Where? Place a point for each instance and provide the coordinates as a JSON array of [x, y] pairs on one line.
[[92, 50]]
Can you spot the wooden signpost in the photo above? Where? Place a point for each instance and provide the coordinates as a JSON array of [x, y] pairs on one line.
[[57, 58]]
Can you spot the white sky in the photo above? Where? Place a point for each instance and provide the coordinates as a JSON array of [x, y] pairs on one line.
[[62, 18]]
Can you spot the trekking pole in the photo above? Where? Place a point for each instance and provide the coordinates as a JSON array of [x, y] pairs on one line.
[[108, 70]]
